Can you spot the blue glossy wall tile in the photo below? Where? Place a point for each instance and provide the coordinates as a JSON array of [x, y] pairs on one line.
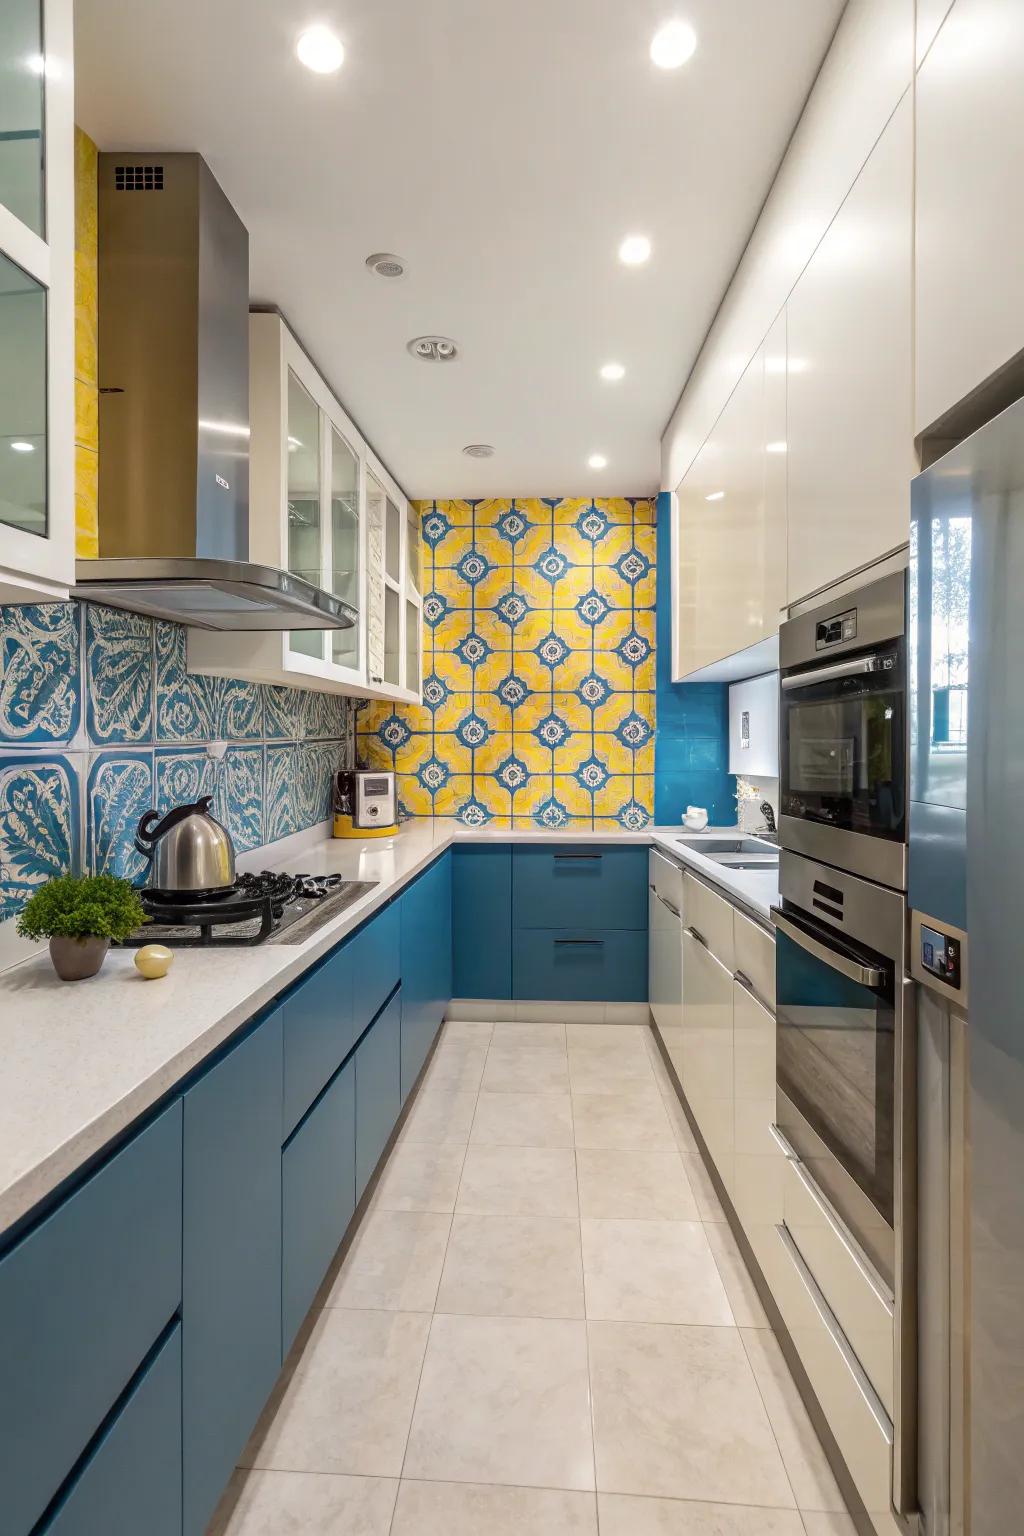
[[691, 750], [100, 720]]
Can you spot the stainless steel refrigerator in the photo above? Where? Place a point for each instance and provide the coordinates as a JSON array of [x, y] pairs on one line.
[[966, 893]]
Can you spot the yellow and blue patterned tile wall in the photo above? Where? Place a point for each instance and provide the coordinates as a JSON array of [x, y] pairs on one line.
[[538, 639], [86, 372]]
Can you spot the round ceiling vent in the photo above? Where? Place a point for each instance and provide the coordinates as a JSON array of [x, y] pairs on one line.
[[433, 349], [479, 450], [386, 264]]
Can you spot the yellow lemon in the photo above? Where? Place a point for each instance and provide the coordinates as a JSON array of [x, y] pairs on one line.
[[153, 960]]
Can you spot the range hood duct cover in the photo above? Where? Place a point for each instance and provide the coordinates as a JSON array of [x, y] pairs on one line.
[[174, 409]]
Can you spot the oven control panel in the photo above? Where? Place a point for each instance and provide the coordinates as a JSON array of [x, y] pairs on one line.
[[938, 957], [834, 631]]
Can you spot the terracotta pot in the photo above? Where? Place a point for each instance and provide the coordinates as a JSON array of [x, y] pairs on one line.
[[75, 959]]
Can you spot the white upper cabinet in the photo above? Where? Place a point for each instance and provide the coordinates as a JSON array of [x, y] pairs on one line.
[[323, 507], [970, 203], [849, 421], [37, 274]]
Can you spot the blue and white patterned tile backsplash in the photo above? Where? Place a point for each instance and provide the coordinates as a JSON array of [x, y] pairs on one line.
[[100, 719]]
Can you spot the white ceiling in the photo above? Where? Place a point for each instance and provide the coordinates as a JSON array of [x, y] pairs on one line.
[[503, 148]]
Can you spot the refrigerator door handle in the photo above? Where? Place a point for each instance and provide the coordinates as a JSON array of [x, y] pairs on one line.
[[904, 1450]]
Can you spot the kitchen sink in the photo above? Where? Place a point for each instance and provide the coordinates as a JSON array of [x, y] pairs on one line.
[[716, 846], [728, 861]]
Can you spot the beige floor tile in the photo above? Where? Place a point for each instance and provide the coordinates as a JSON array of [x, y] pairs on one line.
[[601, 1036], [480, 1509], [466, 1029], [623, 1515], [626, 1121], [442, 1113], [523, 1120], [545, 1036], [634, 1184], [808, 1468], [503, 1400], [518, 1181], [513, 1266], [819, 1524], [652, 1272], [739, 1287], [460, 1064], [704, 1192], [677, 1414], [617, 1069], [305, 1504], [526, 1069], [349, 1404], [394, 1263], [420, 1178]]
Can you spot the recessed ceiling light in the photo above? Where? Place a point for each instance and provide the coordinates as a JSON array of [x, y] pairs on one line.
[[433, 349], [479, 450], [635, 250], [386, 264], [320, 50], [715, 496], [673, 44], [779, 447], [20, 447], [613, 372], [597, 461]]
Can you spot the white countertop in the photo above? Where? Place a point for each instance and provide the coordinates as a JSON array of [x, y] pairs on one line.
[[82, 1061]]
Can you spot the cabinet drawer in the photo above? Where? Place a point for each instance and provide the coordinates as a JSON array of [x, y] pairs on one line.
[[753, 1074], [708, 1052], [855, 1415], [712, 917], [665, 876], [858, 1298], [595, 887], [378, 1089], [319, 1031], [318, 1196], [755, 957], [374, 958], [581, 965], [132, 1481], [82, 1300]]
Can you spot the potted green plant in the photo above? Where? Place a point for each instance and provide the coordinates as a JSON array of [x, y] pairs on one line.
[[80, 914]]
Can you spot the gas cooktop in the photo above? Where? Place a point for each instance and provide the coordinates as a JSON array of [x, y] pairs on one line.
[[265, 908]]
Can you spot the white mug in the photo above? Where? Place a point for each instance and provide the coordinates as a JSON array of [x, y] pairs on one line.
[[696, 817]]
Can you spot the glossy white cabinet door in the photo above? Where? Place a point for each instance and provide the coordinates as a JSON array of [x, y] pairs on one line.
[[970, 203], [708, 1051], [849, 429]]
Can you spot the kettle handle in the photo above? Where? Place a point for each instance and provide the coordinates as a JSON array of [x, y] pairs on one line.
[[146, 833]]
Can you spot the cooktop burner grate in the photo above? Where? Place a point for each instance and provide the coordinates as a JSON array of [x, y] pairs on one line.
[[268, 906]]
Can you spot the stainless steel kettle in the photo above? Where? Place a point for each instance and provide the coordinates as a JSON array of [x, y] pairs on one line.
[[190, 853]]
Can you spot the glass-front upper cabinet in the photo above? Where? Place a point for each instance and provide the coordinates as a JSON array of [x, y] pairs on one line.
[[346, 547], [37, 270], [305, 489]]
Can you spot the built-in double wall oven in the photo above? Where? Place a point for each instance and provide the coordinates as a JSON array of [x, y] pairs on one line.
[[843, 733]]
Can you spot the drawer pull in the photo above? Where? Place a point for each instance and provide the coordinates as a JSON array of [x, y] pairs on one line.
[[594, 943], [562, 856], [666, 903], [743, 980], [694, 934]]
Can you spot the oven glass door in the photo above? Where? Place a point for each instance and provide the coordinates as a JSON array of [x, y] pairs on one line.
[[835, 1069], [844, 751]]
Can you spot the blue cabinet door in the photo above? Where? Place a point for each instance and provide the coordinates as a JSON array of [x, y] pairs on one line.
[[590, 886], [374, 955], [378, 1089], [482, 921], [582, 965], [231, 1284], [131, 1482], [317, 1197], [319, 1032], [426, 964], [83, 1298]]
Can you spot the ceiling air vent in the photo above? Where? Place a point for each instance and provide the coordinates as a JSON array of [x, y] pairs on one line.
[[386, 264], [138, 178], [479, 450]]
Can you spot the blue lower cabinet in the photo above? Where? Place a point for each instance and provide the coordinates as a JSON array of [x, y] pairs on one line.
[[378, 1064], [83, 1298], [374, 955], [482, 921], [131, 1482], [593, 886], [571, 964], [319, 1032], [318, 1197], [231, 1287], [426, 964]]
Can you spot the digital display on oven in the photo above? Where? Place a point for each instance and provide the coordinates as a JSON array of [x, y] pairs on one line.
[[940, 956], [834, 631]]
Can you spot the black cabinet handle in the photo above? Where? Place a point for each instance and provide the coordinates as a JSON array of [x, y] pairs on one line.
[[579, 855], [596, 943]]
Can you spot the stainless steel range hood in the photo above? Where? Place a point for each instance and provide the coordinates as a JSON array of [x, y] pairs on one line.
[[174, 409]]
